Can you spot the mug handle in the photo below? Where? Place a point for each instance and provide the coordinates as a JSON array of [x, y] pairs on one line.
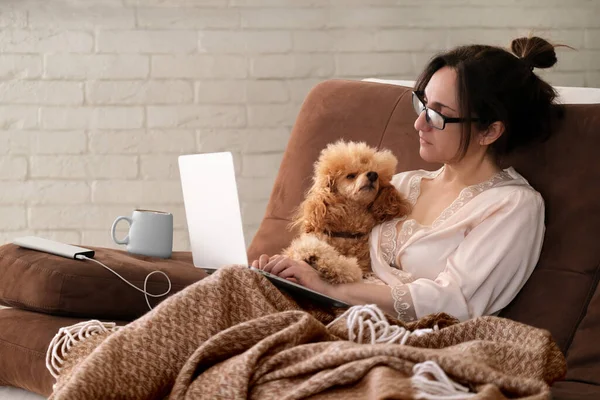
[[114, 227]]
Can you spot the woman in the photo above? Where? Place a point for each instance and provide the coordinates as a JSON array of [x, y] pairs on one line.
[[475, 231]]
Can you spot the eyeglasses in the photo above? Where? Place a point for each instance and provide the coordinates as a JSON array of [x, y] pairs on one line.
[[434, 118]]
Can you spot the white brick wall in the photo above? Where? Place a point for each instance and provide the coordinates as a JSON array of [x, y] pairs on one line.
[[99, 97], [109, 117], [96, 66]]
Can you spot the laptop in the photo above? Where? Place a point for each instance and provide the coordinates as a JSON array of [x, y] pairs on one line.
[[214, 219]]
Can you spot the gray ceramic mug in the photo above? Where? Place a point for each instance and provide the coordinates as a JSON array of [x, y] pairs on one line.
[[150, 233]]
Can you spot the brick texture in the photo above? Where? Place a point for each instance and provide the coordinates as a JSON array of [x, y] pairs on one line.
[[98, 98]]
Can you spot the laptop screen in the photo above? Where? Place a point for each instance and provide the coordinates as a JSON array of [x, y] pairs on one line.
[[212, 210]]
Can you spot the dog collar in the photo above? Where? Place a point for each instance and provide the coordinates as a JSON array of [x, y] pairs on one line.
[[346, 235]]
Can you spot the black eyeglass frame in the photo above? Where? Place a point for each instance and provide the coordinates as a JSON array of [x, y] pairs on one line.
[[445, 119]]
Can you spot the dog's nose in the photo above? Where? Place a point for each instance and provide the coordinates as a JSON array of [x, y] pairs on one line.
[[372, 176]]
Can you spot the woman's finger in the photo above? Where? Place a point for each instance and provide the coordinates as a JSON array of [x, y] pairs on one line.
[[283, 264], [263, 260], [268, 266], [302, 274], [255, 264], [288, 273]]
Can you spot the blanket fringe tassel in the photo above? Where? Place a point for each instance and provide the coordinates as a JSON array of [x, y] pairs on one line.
[[430, 382], [69, 336], [370, 317]]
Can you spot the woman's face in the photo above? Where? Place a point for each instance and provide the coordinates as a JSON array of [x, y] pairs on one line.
[[440, 146]]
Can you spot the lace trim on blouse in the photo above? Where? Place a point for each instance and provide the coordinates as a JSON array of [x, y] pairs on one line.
[[391, 243], [468, 193], [388, 240], [403, 303]]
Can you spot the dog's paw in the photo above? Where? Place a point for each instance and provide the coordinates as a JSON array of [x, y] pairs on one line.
[[308, 247], [340, 269], [331, 265]]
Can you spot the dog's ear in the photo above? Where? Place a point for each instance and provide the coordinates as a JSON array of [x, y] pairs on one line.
[[331, 184], [389, 204], [310, 215]]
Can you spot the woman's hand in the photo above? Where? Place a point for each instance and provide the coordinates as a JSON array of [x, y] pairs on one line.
[[305, 275], [293, 270]]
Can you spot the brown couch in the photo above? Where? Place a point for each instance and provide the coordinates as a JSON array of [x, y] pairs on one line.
[[562, 295]]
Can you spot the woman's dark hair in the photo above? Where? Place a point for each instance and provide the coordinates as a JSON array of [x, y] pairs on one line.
[[497, 85]]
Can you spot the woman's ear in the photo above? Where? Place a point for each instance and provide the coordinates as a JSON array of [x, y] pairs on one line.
[[492, 133]]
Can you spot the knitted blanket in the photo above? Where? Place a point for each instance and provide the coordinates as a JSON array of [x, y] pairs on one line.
[[234, 335]]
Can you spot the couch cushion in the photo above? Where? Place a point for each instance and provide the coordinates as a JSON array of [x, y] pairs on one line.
[[46, 283], [569, 390], [583, 355], [564, 169], [23, 356]]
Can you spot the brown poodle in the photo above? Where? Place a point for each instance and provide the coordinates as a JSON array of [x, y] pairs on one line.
[[351, 194]]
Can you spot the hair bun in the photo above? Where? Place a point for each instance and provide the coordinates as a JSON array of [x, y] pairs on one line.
[[534, 51]]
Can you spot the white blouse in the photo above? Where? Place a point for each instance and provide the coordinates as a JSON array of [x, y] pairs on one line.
[[472, 260]]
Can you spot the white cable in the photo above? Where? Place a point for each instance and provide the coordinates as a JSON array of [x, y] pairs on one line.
[[146, 294]]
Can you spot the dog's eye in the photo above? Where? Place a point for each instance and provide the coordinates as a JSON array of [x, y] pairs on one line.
[[351, 176]]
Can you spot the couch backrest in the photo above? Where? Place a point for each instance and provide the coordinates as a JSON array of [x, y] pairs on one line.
[[562, 294], [566, 94]]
